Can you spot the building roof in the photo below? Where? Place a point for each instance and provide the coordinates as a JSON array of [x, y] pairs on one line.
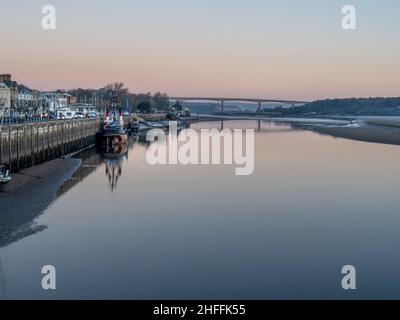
[[22, 87], [11, 84]]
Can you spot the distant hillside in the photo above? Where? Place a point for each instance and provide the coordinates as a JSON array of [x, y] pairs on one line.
[[352, 106]]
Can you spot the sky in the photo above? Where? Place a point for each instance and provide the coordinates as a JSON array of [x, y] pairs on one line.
[[279, 49]]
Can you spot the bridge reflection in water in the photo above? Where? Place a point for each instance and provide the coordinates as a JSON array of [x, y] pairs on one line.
[[278, 126]]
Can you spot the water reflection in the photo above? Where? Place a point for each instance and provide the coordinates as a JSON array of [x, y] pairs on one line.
[[114, 158], [91, 160], [205, 233], [270, 126], [15, 227]]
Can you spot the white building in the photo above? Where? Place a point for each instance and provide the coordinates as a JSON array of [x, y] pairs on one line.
[[25, 94], [56, 100]]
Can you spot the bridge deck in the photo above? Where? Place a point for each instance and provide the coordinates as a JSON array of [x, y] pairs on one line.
[[238, 99]]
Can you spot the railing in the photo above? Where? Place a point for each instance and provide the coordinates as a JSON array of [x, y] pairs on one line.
[[21, 120], [38, 119]]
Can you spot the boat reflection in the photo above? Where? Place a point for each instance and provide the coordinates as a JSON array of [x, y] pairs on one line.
[[114, 156]]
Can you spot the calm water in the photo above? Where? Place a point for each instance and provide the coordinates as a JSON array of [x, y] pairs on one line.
[[313, 205]]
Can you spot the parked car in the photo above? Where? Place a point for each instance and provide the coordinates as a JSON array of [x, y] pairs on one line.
[[69, 115], [65, 114], [92, 114], [79, 115]]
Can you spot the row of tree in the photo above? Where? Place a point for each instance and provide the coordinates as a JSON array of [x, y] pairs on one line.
[[145, 102], [351, 106]]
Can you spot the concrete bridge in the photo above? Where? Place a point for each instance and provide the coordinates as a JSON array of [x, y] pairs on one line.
[[222, 101]]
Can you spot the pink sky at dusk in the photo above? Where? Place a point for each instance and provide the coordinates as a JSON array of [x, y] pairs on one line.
[[263, 51]]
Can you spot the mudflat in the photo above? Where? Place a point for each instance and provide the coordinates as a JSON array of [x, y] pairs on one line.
[[371, 133], [28, 195]]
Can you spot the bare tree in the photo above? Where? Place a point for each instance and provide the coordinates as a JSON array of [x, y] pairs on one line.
[[161, 101], [117, 88]]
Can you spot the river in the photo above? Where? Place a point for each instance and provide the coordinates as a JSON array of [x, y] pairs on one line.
[[124, 229]]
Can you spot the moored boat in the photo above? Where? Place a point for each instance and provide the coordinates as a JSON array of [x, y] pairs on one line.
[[112, 132]]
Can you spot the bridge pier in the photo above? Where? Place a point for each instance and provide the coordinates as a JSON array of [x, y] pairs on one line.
[[222, 105], [259, 106]]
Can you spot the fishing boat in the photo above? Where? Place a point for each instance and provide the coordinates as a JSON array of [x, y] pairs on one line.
[[4, 176], [112, 132]]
